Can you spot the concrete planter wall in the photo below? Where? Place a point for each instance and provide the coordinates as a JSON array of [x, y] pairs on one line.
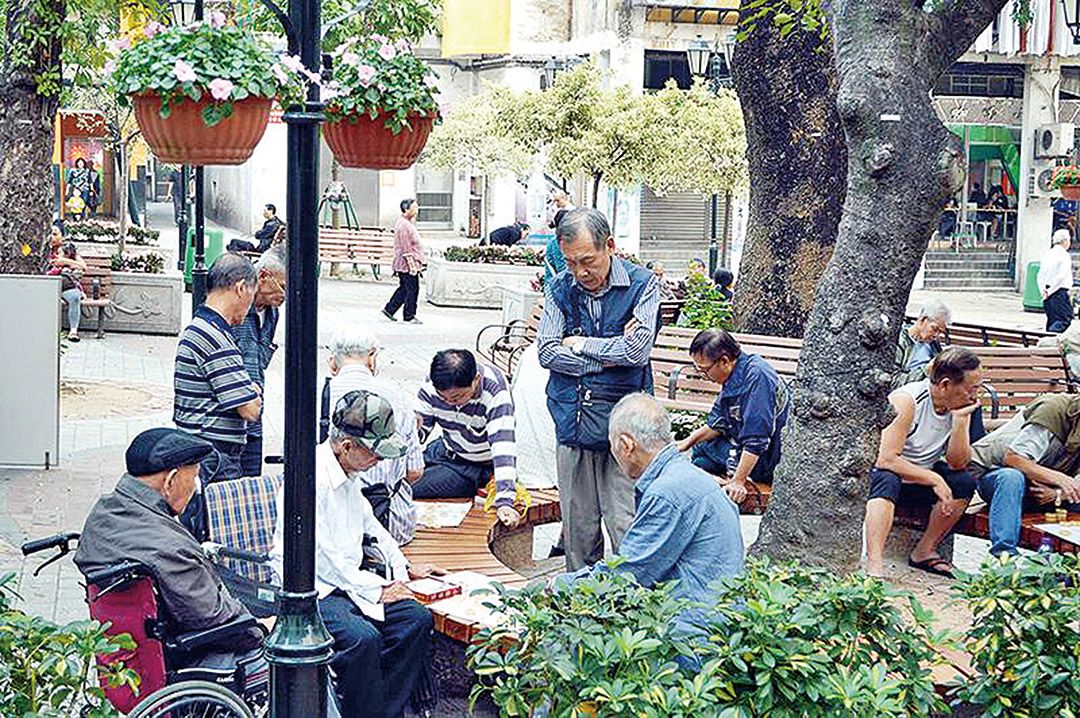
[[142, 304], [468, 284], [518, 303]]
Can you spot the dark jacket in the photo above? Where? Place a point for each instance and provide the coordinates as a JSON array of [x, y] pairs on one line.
[[506, 236], [266, 234], [134, 523], [752, 407]]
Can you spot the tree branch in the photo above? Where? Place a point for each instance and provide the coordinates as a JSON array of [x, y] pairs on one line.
[[957, 24]]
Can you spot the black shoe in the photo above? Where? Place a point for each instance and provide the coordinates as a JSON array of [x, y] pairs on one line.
[[556, 551], [388, 315], [73, 338]]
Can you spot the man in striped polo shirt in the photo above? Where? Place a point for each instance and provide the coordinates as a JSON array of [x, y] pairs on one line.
[[214, 396], [472, 406]]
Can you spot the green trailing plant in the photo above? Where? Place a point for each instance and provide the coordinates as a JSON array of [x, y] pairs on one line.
[[204, 60], [100, 232], [1065, 175], [705, 306], [781, 641], [1023, 642], [684, 423], [375, 75], [496, 254], [151, 263], [49, 671]]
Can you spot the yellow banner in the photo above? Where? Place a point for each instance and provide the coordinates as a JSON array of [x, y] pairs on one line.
[[133, 18], [476, 27]]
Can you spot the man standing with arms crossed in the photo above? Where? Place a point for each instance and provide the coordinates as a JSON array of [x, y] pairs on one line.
[[595, 336], [408, 263]]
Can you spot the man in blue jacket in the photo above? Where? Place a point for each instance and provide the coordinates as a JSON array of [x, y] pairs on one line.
[[741, 438], [595, 336]]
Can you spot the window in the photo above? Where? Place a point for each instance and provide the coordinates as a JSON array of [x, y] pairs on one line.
[[662, 65], [971, 79]]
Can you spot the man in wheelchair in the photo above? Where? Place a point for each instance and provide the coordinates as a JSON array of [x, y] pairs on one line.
[[134, 531], [382, 636]]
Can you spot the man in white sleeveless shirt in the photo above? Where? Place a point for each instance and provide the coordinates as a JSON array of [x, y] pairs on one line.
[[923, 459]]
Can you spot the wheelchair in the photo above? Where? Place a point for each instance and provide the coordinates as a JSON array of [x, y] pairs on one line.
[[125, 597]]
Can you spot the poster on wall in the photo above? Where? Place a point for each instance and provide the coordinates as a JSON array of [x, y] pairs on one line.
[[83, 158]]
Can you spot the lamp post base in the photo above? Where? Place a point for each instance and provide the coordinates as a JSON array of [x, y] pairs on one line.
[[298, 651]]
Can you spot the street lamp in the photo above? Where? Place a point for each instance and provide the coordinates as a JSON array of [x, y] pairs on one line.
[[697, 56], [1072, 18], [183, 11], [551, 67]]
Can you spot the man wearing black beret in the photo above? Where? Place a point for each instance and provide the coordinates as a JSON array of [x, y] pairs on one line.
[[138, 522]]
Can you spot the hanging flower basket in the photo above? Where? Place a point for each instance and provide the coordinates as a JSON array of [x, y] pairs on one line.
[[1066, 179], [359, 141], [184, 138]]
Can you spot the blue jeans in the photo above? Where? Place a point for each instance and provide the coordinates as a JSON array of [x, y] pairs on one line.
[[1003, 489]]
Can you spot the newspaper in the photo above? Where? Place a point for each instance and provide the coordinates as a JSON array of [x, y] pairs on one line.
[[441, 514]]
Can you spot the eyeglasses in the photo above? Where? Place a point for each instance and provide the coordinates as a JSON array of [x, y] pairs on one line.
[[278, 285], [706, 369]]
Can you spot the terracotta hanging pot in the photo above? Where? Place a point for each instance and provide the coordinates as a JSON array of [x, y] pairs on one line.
[[1070, 191], [360, 141], [183, 137]]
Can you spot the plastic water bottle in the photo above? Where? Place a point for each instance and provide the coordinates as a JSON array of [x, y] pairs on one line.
[[732, 462]]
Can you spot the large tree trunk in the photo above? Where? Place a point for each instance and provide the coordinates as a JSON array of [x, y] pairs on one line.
[[797, 161], [26, 145], [903, 167]]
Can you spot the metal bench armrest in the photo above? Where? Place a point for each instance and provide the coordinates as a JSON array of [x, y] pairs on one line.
[[995, 400], [508, 331]]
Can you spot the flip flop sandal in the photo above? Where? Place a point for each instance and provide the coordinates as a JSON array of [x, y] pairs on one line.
[[932, 565]]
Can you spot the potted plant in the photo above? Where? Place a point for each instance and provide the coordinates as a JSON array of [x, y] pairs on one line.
[[1067, 180], [183, 80], [380, 104]]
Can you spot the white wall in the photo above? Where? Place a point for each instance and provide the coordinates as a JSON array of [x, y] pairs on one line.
[[235, 195], [1034, 216]]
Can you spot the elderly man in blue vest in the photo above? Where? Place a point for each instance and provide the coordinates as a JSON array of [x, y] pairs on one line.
[[595, 337]]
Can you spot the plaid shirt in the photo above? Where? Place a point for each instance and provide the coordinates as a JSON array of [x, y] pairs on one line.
[[391, 472]]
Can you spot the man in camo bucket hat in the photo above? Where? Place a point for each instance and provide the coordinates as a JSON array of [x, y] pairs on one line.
[[369, 419], [382, 636]]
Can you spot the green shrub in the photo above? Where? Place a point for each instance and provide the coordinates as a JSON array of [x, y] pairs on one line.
[[1023, 642], [782, 642], [705, 307], [496, 254], [48, 671], [151, 263], [684, 423], [100, 232]]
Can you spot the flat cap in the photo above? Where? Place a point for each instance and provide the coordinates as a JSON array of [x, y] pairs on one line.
[[163, 449]]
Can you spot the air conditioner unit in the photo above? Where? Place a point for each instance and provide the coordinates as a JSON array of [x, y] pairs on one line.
[[1055, 140]]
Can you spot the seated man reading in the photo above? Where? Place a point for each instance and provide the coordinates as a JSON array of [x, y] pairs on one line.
[[382, 637], [1040, 445], [473, 407], [685, 527], [741, 438], [923, 458], [137, 522]]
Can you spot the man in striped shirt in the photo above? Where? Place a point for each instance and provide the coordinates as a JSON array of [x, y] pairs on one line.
[[214, 397], [472, 406], [595, 336], [353, 366]]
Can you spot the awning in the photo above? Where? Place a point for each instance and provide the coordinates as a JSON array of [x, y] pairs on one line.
[[717, 12]]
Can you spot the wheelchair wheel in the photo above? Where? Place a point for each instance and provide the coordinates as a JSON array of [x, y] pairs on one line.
[[192, 699]]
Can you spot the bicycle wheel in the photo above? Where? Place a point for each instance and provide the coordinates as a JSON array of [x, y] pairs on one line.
[[192, 699]]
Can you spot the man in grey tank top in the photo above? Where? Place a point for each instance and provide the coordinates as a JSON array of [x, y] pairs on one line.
[[923, 458]]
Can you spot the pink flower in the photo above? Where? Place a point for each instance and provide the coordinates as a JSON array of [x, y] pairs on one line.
[[183, 72], [313, 77], [344, 47], [431, 80], [220, 88], [402, 45], [365, 74], [280, 74], [110, 67], [121, 43], [217, 19], [350, 58], [152, 28], [292, 62], [330, 91], [387, 52], [381, 39]]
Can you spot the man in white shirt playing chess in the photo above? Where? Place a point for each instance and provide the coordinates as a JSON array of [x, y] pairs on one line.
[[382, 636]]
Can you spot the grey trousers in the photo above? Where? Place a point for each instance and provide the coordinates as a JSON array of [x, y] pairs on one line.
[[591, 486]]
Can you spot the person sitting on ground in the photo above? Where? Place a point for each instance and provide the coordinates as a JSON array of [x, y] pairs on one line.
[[509, 235], [66, 263], [382, 636], [269, 230], [255, 338], [1041, 445], [472, 406], [923, 459], [724, 280], [685, 527], [353, 365], [213, 394], [740, 440], [137, 522], [919, 342]]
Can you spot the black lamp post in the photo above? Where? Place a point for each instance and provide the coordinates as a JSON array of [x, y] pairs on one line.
[[551, 68], [1072, 18], [705, 63], [184, 12]]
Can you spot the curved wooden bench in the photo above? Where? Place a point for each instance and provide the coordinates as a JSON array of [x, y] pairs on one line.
[[477, 545]]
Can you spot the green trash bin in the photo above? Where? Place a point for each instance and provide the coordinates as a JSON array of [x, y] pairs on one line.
[[1032, 297], [215, 247]]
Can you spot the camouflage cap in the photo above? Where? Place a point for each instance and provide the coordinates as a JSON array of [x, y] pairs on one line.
[[369, 418]]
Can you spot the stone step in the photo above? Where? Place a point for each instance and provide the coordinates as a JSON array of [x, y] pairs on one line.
[[981, 283], [962, 266]]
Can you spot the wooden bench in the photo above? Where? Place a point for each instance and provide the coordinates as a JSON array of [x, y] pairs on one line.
[[1014, 376], [670, 309], [484, 545], [977, 335], [367, 245], [97, 282], [502, 345]]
